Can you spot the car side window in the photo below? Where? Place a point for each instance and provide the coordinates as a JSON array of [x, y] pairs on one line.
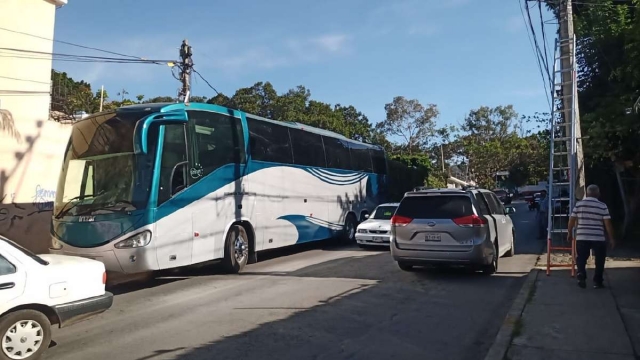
[[499, 205], [6, 268], [493, 206], [482, 205]]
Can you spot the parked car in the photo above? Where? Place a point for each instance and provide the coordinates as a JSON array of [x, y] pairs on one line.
[[37, 291], [504, 196], [375, 230], [454, 227]]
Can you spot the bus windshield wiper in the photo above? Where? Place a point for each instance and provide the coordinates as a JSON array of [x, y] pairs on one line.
[[109, 206], [65, 210]]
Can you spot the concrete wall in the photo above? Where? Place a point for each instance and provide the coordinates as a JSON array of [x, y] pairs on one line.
[[31, 146]]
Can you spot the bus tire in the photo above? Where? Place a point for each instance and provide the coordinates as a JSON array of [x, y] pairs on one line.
[[350, 227], [236, 249]]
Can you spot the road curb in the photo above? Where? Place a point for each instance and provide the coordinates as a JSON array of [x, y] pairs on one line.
[[503, 340]]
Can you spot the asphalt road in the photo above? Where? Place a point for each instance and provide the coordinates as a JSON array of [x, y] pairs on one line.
[[318, 302]]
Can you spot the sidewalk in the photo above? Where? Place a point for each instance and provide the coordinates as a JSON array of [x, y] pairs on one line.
[[558, 320]]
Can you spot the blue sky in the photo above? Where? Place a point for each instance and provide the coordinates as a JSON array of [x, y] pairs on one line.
[[458, 54]]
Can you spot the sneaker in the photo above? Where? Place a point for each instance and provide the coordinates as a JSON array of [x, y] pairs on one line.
[[598, 286], [582, 284]]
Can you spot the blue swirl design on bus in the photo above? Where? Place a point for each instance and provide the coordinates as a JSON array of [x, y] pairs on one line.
[[336, 178], [310, 228]]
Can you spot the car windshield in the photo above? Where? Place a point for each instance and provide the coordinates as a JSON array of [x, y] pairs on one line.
[[28, 253], [384, 212], [100, 168]]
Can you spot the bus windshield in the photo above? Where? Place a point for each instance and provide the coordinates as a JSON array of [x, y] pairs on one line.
[[100, 170]]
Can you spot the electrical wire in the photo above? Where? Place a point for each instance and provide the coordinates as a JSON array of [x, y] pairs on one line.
[[543, 58], [531, 42], [25, 80], [544, 43], [40, 55], [70, 44], [205, 80], [604, 4]]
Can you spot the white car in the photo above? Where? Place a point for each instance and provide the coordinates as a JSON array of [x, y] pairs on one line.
[[37, 291], [376, 229]]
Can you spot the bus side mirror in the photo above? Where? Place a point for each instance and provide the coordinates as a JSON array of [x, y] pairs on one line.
[[141, 132]]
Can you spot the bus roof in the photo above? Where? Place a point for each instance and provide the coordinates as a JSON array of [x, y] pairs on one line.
[[163, 107]]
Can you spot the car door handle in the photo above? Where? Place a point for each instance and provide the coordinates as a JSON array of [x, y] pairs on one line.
[[8, 285]]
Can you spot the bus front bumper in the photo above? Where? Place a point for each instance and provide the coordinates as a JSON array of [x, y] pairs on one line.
[[128, 261]]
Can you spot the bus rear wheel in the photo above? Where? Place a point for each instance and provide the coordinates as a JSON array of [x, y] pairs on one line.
[[236, 249], [350, 227]]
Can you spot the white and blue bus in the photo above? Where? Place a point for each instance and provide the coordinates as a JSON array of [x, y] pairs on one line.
[[158, 186]]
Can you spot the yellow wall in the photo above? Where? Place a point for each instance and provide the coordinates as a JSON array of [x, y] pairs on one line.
[[31, 146]]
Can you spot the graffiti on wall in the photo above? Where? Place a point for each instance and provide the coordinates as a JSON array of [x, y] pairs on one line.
[[43, 198], [42, 201]]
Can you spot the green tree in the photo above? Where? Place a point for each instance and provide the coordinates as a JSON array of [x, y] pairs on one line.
[[490, 142], [409, 121]]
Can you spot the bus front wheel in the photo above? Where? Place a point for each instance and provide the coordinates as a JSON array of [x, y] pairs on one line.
[[236, 250]]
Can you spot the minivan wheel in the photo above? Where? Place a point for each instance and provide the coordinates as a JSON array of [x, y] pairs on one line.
[[404, 266], [493, 267]]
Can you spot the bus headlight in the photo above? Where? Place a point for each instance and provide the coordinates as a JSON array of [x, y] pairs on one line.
[[55, 244], [137, 240]]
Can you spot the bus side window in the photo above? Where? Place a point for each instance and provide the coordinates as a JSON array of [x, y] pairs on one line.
[[173, 166], [337, 153], [219, 140], [360, 158], [379, 161], [269, 142]]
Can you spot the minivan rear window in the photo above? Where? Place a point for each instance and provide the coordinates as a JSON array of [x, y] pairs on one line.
[[435, 207]]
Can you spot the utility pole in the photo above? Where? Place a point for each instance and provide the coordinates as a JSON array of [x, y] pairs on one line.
[[101, 97], [123, 93], [442, 158], [570, 97], [186, 67]]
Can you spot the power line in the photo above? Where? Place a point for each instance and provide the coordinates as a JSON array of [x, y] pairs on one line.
[[544, 39], [543, 58], [205, 80], [25, 80], [531, 42], [69, 43], [604, 4], [40, 55]]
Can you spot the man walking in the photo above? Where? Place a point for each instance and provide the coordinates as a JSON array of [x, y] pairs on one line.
[[590, 219], [543, 211]]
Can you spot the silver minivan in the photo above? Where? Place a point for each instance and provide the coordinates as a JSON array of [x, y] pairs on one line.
[[451, 226]]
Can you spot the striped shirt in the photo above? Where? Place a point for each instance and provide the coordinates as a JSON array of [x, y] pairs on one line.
[[591, 214]]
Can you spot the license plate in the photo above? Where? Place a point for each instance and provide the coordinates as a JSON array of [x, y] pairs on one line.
[[432, 237]]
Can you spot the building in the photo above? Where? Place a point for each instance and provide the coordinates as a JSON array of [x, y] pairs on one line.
[[31, 146]]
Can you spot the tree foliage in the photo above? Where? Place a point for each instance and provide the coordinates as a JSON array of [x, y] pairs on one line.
[[410, 121]]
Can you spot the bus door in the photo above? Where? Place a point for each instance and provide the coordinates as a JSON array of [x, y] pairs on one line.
[[174, 232]]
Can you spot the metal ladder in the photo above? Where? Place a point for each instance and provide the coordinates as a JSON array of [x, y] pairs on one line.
[[562, 164]]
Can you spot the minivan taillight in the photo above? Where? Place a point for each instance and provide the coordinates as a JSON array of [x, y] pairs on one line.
[[104, 278], [397, 220], [471, 220]]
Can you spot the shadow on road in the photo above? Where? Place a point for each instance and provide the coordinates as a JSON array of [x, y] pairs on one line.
[[446, 313]]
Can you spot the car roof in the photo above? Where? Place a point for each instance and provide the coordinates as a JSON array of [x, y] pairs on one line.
[[446, 191]]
